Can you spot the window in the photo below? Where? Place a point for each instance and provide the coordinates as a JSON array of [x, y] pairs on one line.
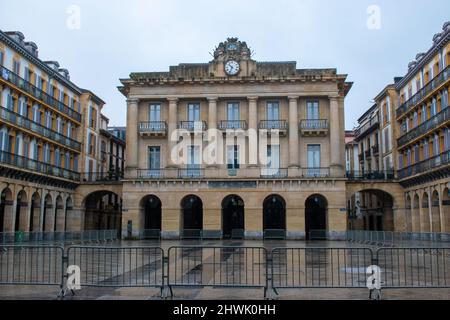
[[9, 102], [273, 111], [27, 74], [312, 110], [39, 82], [36, 114], [193, 159], [233, 157], [2, 55], [313, 156], [193, 112], [433, 108], [58, 125], [46, 153], [16, 67], [69, 130], [233, 111], [57, 158], [48, 119], [444, 99], [154, 112], [67, 161], [387, 141], [75, 163], [154, 159]]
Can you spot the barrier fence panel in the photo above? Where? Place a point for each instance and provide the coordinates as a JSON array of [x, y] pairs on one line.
[[20, 237], [320, 267], [200, 266], [31, 265], [118, 266], [414, 267]]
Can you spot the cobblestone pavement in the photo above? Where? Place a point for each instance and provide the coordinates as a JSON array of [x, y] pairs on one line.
[[208, 293]]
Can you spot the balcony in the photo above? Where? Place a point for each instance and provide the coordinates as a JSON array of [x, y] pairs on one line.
[[37, 166], [191, 173], [102, 177], [274, 126], [37, 93], [368, 154], [316, 172], [193, 126], [427, 126], [314, 127], [367, 128], [441, 78], [23, 122], [372, 175], [361, 157], [425, 166], [153, 129], [274, 173], [232, 125], [376, 150]]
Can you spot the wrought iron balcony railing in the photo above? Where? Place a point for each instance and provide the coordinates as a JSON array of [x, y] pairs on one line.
[[423, 128], [153, 127], [37, 166], [422, 93], [26, 86], [376, 149], [274, 173], [373, 123], [191, 173], [367, 154], [233, 125], [314, 124], [21, 121], [109, 176], [316, 172], [426, 165], [192, 126], [273, 125], [371, 175]]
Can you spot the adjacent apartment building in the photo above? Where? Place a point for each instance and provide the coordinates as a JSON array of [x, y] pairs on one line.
[[49, 133], [235, 147], [405, 137]]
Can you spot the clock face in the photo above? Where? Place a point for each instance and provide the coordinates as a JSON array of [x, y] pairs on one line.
[[232, 67]]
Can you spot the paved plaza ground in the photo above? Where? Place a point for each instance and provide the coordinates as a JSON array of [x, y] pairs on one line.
[[207, 293]]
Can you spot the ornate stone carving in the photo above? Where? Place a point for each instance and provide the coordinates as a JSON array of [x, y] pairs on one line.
[[232, 49]]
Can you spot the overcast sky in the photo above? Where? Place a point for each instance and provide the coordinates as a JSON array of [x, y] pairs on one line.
[[116, 37]]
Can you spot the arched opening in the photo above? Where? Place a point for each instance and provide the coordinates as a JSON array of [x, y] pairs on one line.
[[103, 211], [21, 212], [316, 207], [35, 212], [233, 225], [151, 207], [416, 214], [6, 208], [274, 216], [68, 214], [408, 212], [192, 216], [446, 209], [47, 219], [425, 214], [435, 212], [59, 215], [376, 211]]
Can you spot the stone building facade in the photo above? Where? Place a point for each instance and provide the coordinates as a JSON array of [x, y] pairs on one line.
[[278, 137]]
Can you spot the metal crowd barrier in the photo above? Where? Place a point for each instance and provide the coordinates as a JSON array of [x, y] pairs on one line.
[[414, 267], [31, 265], [118, 266], [226, 266], [36, 238], [202, 266], [393, 239], [320, 267]]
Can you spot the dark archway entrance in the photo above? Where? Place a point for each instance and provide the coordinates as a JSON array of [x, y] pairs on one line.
[[233, 225], [103, 211], [192, 213], [274, 217], [152, 214], [316, 207], [6, 206]]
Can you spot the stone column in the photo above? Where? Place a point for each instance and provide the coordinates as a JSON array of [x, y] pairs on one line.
[[293, 133], [172, 127], [132, 149], [212, 113], [253, 131], [335, 133]]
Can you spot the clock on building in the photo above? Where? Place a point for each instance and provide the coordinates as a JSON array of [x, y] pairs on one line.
[[232, 67]]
